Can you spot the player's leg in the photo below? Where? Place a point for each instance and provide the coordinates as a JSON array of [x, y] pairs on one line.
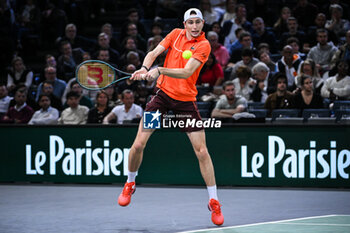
[[198, 142], [135, 159]]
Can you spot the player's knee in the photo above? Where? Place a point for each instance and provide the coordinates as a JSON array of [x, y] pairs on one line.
[[202, 153], [138, 146]]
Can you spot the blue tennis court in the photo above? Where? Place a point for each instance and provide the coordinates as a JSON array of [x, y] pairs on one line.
[[168, 209]]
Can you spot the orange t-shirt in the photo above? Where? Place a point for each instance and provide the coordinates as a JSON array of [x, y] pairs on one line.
[[176, 42]]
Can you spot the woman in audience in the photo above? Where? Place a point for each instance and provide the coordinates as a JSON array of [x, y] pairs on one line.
[[101, 109], [18, 74], [307, 98], [309, 68]]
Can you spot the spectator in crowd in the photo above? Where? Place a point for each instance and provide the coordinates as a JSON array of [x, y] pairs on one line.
[[75, 114], [104, 43], [126, 112], [157, 31], [308, 67], [53, 21], [264, 83], [68, 60], [343, 53], [132, 31], [320, 23], [211, 73], [83, 100], [247, 59], [112, 96], [108, 29], [28, 20], [169, 9], [161, 58], [133, 17], [326, 8], [338, 86], [76, 41], [289, 65], [230, 11], [280, 26], [282, 98], [101, 109], [209, 14], [307, 98], [236, 45], [294, 43], [4, 100], [229, 27], [133, 58], [86, 56], [337, 24], [29, 98], [305, 12], [230, 103], [21, 112], [129, 44], [261, 35], [47, 89], [46, 115], [292, 24], [244, 83], [18, 74], [322, 53], [245, 39], [220, 52], [265, 58], [215, 27], [58, 85], [128, 84]]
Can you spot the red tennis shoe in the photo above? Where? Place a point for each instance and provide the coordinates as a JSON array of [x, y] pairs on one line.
[[216, 216], [125, 197]]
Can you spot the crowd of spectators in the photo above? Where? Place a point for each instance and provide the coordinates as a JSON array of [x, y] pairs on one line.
[[282, 54]]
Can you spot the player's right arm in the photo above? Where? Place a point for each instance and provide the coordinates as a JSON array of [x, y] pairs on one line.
[[147, 62]]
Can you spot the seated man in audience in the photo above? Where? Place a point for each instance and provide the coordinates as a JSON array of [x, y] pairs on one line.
[[338, 86], [281, 99], [229, 104], [58, 85], [83, 100], [47, 89], [21, 112], [248, 60], [128, 111], [46, 115], [75, 114], [4, 100], [323, 52], [265, 83]]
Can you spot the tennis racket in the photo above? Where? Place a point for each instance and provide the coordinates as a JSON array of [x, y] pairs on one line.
[[97, 75]]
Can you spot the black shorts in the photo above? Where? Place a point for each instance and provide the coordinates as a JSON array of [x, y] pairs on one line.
[[182, 110]]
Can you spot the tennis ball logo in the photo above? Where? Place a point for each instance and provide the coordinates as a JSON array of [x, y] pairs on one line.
[[187, 54]]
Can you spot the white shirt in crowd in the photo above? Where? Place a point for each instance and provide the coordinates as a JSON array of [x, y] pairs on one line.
[[75, 116], [134, 112], [4, 104], [41, 117]]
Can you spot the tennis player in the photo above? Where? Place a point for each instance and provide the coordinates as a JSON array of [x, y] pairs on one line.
[[177, 92]]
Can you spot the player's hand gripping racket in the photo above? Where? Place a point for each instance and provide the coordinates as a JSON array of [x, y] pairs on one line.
[[97, 75]]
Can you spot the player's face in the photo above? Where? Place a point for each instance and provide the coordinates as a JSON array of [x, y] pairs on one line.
[[194, 27]]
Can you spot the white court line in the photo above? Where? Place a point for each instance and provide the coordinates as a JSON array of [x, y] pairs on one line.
[[314, 224], [262, 223]]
